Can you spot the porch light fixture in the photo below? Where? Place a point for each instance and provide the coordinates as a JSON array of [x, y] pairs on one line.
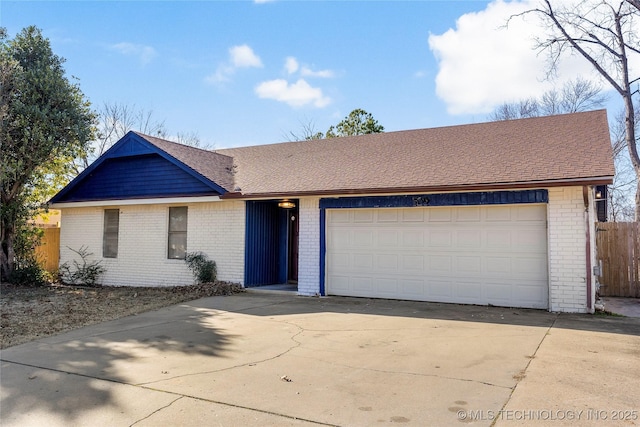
[[286, 204], [600, 192]]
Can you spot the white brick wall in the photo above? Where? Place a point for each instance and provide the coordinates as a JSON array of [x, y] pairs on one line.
[[309, 247], [218, 230], [215, 228], [567, 250]]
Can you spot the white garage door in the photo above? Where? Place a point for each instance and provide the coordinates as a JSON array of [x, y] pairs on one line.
[[474, 254]]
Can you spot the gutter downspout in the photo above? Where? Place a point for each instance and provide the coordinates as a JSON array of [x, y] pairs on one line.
[[585, 195]]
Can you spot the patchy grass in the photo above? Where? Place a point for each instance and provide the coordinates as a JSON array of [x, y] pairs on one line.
[[607, 313], [28, 313]]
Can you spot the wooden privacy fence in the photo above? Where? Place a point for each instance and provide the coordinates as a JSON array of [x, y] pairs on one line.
[[48, 253], [618, 254]]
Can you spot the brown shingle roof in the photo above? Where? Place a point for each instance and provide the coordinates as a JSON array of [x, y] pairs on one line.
[[214, 166], [552, 150], [543, 151]]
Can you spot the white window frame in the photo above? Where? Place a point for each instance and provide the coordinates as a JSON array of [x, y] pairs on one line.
[[177, 232], [110, 232]]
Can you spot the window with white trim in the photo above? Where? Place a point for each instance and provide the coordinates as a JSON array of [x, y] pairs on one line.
[[177, 233]]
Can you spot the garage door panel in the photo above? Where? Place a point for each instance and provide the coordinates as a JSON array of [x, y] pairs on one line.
[[537, 213], [469, 239], [340, 261], [362, 285], [440, 290], [470, 214], [481, 255], [498, 239], [440, 263], [342, 216], [340, 284], [498, 293], [388, 215], [337, 238], [530, 294], [468, 265], [363, 216], [363, 237], [440, 238], [387, 286], [530, 239], [413, 288], [387, 263], [362, 262], [498, 266], [497, 213], [529, 267], [413, 262], [412, 239], [468, 291], [388, 238], [440, 215], [412, 215]]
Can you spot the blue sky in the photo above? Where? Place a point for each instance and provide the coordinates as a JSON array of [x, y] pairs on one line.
[[242, 73]]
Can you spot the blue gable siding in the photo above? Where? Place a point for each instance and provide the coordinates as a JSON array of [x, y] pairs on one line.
[[133, 169], [131, 148], [137, 177]]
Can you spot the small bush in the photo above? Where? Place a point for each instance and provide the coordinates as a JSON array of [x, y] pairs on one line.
[[87, 273], [27, 270], [29, 273], [204, 270]]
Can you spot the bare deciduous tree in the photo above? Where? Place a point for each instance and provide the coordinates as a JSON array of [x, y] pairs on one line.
[[620, 197], [575, 95], [309, 132], [113, 122], [606, 33], [191, 139]]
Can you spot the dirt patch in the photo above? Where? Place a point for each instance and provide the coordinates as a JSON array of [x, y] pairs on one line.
[[29, 313]]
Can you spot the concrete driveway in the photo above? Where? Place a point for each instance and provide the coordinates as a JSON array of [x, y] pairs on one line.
[[259, 359]]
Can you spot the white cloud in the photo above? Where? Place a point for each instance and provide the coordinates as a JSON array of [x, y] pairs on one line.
[[325, 74], [297, 94], [291, 65], [241, 56], [144, 53], [244, 57], [483, 63], [223, 74]]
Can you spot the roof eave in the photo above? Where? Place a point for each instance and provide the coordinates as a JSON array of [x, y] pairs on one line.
[[602, 180]]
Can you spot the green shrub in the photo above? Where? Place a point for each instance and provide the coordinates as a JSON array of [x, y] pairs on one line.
[[204, 270], [29, 273], [88, 273]]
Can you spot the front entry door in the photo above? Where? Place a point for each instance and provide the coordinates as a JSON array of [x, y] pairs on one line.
[[292, 274]]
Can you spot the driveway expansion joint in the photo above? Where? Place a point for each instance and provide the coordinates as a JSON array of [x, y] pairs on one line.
[[524, 371], [179, 396]]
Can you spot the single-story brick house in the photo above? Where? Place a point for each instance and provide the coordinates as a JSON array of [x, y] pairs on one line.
[[498, 213]]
